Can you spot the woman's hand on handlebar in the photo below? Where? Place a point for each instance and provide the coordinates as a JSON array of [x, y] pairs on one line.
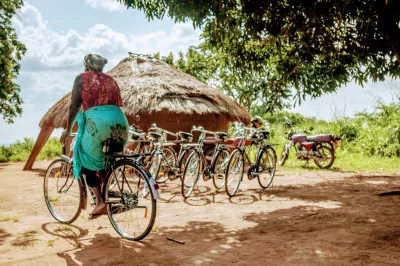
[[63, 137]]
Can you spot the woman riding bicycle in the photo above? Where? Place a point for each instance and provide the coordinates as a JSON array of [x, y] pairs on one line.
[[102, 118]]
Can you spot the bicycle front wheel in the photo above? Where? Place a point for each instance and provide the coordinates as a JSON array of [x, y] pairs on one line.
[[131, 212], [234, 173], [168, 162], [191, 173], [62, 192], [266, 167], [220, 164], [154, 165]]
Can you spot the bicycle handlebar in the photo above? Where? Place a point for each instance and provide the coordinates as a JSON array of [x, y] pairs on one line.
[[155, 127], [136, 133], [201, 129]]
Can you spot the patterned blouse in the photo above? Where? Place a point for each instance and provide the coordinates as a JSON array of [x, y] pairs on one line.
[[99, 89]]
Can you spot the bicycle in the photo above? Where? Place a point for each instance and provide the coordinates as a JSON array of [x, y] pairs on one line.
[[197, 162], [264, 166], [172, 164], [125, 191], [148, 144]]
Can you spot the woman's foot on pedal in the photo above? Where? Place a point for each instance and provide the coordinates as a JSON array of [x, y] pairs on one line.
[[99, 209]]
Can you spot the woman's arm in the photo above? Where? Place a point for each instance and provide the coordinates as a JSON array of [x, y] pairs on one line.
[[76, 101]]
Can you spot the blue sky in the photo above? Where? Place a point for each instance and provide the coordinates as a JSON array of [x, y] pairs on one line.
[[59, 33]]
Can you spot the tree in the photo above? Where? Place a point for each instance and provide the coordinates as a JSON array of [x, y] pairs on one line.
[[207, 67], [299, 48], [11, 52]]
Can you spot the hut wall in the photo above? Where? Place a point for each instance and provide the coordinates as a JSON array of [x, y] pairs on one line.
[[181, 122]]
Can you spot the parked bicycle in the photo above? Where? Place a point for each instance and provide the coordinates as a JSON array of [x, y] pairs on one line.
[[172, 164], [197, 162], [251, 144], [126, 191], [151, 145]]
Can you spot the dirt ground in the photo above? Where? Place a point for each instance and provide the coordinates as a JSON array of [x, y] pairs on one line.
[[315, 218]]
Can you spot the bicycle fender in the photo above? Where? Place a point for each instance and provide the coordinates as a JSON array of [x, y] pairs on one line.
[[287, 147], [154, 188], [66, 159]]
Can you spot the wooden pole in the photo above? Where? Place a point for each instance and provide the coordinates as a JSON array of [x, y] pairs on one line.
[[44, 135]]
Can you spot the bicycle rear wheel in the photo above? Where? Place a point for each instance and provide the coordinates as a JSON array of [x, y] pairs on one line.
[[62, 192], [234, 173], [266, 167], [191, 173], [131, 212]]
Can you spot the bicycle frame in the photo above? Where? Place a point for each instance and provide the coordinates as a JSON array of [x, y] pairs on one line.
[[199, 148], [165, 143]]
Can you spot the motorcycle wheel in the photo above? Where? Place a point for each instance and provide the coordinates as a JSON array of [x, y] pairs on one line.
[[283, 157], [329, 153]]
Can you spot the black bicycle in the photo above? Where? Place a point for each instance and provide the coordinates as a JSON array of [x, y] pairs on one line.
[[260, 156], [129, 190], [211, 165]]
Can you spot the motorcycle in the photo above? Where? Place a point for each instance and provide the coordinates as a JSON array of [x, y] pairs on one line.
[[320, 148]]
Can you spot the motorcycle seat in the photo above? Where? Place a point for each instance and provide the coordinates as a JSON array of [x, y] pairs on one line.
[[311, 138], [320, 138]]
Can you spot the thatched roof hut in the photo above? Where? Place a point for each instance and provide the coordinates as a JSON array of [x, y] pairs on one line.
[[160, 94]]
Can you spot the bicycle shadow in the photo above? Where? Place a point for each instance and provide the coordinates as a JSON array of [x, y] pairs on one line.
[[65, 231], [156, 249], [203, 195], [3, 235]]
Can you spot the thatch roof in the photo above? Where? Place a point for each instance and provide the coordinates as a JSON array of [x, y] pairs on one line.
[[150, 86]]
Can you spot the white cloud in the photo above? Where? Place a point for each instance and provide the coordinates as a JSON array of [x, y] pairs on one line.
[[111, 5], [52, 50]]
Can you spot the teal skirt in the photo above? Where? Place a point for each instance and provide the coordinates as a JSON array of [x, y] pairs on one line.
[[95, 126]]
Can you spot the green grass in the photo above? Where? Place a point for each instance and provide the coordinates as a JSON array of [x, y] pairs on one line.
[[4, 199], [53, 198], [348, 162], [50, 243], [63, 228], [7, 218]]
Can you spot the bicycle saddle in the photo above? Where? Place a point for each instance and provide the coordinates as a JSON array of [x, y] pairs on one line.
[[155, 135], [263, 134], [112, 146], [185, 136], [222, 136]]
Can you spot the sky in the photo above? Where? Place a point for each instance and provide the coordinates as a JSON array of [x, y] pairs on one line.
[[59, 33]]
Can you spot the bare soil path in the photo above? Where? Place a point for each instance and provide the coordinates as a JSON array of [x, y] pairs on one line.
[[316, 218]]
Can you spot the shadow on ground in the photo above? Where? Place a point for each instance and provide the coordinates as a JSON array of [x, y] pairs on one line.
[[363, 230]]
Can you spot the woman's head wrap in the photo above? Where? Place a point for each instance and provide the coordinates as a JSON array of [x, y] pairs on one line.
[[94, 62]]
